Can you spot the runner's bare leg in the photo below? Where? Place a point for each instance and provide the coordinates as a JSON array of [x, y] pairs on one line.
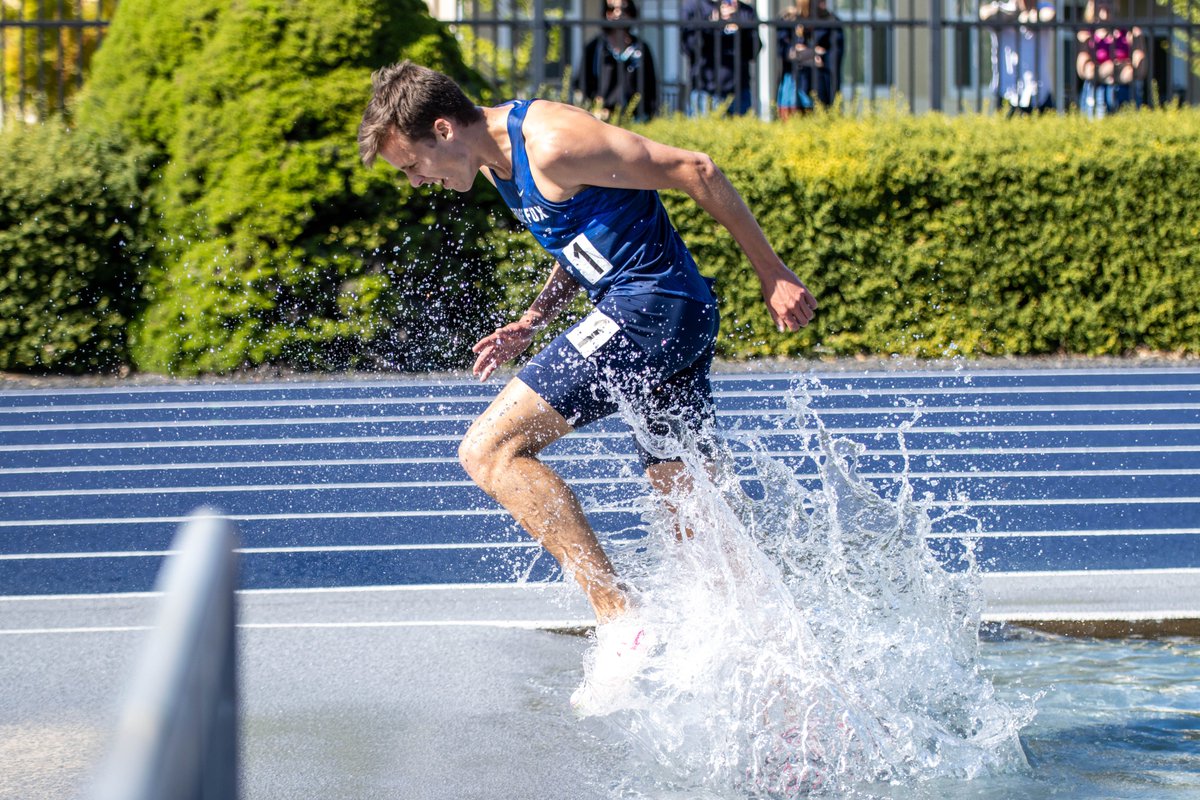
[[500, 453]]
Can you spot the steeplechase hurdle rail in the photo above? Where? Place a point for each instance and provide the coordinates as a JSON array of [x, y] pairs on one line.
[[178, 734]]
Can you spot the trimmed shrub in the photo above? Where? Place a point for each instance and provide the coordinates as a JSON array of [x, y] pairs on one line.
[[277, 246], [930, 236], [72, 223]]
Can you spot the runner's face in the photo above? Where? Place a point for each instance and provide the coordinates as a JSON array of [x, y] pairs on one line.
[[439, 160]]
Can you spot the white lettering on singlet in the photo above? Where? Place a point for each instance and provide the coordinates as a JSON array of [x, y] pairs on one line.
[[584, 256], [530, 214], [590, 335]]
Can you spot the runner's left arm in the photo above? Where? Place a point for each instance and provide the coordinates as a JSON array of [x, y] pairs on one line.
[[575, 151]]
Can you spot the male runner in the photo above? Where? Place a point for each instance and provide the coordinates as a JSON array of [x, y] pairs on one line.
[[587, 191]]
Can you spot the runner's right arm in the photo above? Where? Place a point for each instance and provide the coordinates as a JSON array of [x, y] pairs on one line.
[[505, 344]]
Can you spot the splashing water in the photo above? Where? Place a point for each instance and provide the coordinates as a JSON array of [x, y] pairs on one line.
[[813, 643]]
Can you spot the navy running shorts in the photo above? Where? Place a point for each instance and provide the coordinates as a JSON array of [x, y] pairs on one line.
[[652, 352]]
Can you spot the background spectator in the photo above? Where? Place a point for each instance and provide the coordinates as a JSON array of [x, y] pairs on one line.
[[811, 59], [719, 56], [617, 67], [1022, 57], [1111, 62]]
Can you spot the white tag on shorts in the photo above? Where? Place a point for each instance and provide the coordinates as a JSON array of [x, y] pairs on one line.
[[584, 256], [591, 334]]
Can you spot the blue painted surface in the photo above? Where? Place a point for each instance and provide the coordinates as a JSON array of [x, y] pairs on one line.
[[344, 484]]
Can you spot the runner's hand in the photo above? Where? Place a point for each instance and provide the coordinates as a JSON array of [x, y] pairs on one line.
[[791, 304], [501, 346]]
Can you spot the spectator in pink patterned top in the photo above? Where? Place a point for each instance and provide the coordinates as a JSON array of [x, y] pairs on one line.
[[1111, 62]]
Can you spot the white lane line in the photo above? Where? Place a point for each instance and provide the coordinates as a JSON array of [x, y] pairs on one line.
[[538, 586], [1055, 615], [1048, 615], [343, 548], [1101, 532], [815, 393], [546, 586], [285, 442], [765, 414], [531, 545], [472, 512], [1090, 573], [604, 456], [632, 480], [583, 436], [531, 624], [950, 372], [633, 508]]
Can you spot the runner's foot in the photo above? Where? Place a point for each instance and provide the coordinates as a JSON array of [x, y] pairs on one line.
[[621, 649]]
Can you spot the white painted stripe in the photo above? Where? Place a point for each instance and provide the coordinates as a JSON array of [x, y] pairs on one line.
[[46, 631], [533, 624], [541, 586], [1100, 532], [765, 414], [532, 545], [1101, 573], [633, 480], [1049, 615], [605, 456], [522, 586], [343, 548], [815, 393], [519, 624], [268, 422], [591, 435], [950, 371], [599, 509], [1053, 615], [477, 512], [412, 587]]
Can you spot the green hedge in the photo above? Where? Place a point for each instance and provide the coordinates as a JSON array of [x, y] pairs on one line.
[[276, 245], [922, 236], [931, 236], [72, 223]]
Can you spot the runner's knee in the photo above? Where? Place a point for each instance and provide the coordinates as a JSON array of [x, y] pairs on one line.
[[477, 456]]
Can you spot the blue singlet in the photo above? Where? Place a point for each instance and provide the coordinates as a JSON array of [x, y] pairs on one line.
[[652, 337], [617, 241]]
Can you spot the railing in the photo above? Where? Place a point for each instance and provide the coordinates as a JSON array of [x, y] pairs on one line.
[[177, 738], [45, 49], [922, 54]]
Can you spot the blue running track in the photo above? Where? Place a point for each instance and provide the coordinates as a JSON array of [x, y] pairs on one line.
[[338, 484]]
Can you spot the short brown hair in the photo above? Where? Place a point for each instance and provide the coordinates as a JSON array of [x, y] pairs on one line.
[[407, 98]]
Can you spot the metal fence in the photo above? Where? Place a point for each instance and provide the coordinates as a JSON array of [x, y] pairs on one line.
[[45, 49], [920, 54]]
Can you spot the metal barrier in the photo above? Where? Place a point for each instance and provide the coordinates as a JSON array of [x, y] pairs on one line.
[[177, 738], [928, 54], [45, 49], [938, 55]]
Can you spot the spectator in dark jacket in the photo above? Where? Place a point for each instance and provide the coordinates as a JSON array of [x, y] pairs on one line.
[[811, 58], [618, 67], [720, 40]]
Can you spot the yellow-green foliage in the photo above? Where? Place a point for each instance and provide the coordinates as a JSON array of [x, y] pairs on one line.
[[927, 236], [277, 245], [72, 222]]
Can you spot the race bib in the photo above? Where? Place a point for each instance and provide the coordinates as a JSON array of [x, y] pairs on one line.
[[585, 258], [590, 335]]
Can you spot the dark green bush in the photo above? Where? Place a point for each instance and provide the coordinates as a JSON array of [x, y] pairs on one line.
[[929, 236], [278, 246], [72, 237]]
